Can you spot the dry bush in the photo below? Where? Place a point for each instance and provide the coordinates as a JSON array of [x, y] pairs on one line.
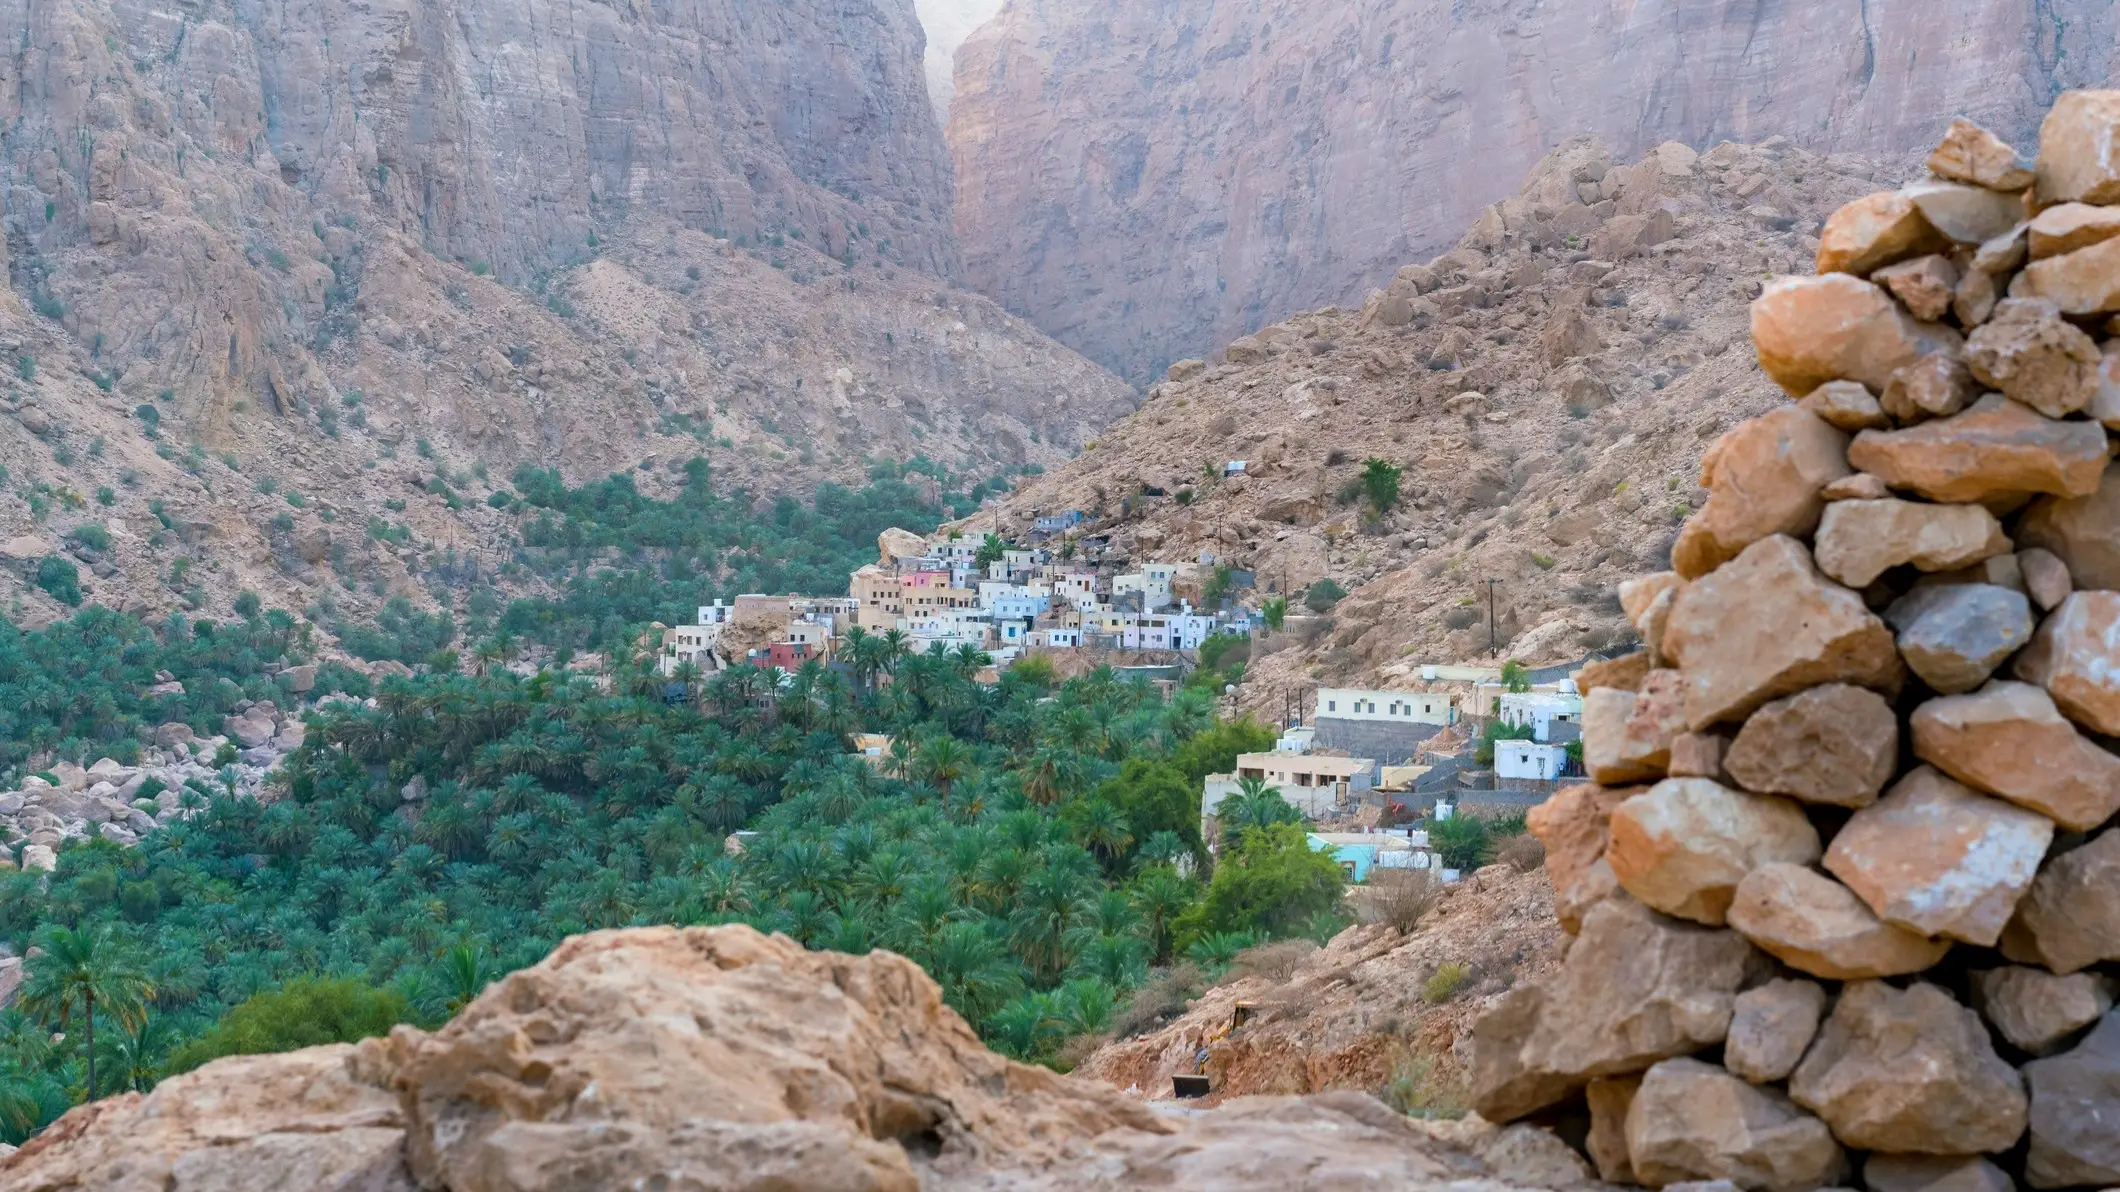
[[1076, 1051], [1444, 984], [1277, 961], [1417, 1089], [1400, 898], [1522, 852], [1159, 1002], [1224, 424]]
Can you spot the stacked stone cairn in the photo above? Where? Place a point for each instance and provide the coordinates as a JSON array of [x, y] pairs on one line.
[[1845, 893]]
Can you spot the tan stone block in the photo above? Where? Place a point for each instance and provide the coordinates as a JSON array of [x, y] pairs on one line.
[[1624, 673], [2070, 226], [1770, 1027], [2105, 402], [1845, 406], [1934, 1173], [1997, 447], [1938, 858], [1608, 1101], [2071, 918], [1972, 154], [1925, 285], [1683, 845], [1575, 825], [2008, 739], [2037, 1010], [1636, 595], [2075, 655], [2046, 577], [1965, 214], [1834, 744], [1697, 755], [2084, 282], [2079, 160], [1693, 1121], [1874, 231], [1936, 386], [1767, 475], [1855, 486], [1811, 330], [2082, 532], [2027, 350], [1910, 1071], [1815, 925], [1975, 297], [1861, 540], [2075, 1098], [1955, 635]]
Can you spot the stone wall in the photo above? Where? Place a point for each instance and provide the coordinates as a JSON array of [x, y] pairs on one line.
[[1846, 893]]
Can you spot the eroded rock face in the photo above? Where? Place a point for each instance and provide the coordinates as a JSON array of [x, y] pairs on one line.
[[2009, 740], [1939, 858], [2070, 920], [2075, 1101], [1833, 744], [1770, 1028], [1683, 845], [1694, 1121], [1994, 447], [1815, 925], [1767, 624], [2027, 350], [1861, 540], [1910, 1072], [1764, 478]]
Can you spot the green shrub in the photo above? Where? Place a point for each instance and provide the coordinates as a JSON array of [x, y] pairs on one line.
[[1444, 984], [60, 579], [304, 1012]]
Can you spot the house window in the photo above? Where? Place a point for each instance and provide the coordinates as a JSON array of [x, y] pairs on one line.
[[1332, 705]]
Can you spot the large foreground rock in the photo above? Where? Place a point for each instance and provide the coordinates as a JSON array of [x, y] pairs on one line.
[[2010, 740], [2075, 1118], [1995, 448], [2083, 532], [2078, 161], [1911, 1072], [1939, 858], [1763, 478], [2070, 920], [1635, 988], [1861, 540], [1934, 1173], [2075, 655], [1694, 1121], [2027, 350], [1955, 635], [1575, 825], [1834, 744], [1767, 624], [1684, 844], [1811, 330], [2035, 1009], [1771, 1027], [1815, 925]]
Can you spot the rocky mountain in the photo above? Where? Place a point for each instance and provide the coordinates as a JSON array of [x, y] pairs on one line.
[[293, 240], [1547, 388], [948, 23], [791, 1069], [1146, 180]]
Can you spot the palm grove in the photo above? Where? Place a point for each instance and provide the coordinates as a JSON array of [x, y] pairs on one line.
[[1033, 843]]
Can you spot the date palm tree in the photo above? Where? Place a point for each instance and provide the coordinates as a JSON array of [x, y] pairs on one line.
[[82, 967]]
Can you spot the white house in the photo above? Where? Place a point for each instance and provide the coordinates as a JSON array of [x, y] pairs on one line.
[[1153, 585], [1295, 740], [1388, 707], [1540, 711], [1316, 786], [1057, 638], [1529, 760]]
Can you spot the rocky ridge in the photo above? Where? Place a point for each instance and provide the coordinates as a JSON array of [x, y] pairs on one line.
[[354, 249], [1810, 953], [771, 1068], [1145, 180], [1549, 387]]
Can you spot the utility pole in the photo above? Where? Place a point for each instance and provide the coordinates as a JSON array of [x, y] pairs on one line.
[[1492, 645]]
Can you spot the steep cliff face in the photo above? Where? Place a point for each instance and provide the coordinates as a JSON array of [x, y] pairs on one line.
[[305, 235], [948, 23], [1147, 178]]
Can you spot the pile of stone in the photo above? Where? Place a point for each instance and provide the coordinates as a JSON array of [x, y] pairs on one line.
[[1846, 891], [117, 803]]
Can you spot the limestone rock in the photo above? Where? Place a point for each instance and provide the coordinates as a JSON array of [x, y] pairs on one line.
[[1815, 925], [2070, 226], [1636, 595], [1766, 625], [1910, 1072], [1856, 486], [1938, 858], [1936, 386], [2075, 1104], [1845, 406], [1698, 755], [1925, 285], [2035, 1009], [2079, 160], [1861, 540], [1965, 214], [1575, 825], [2046, 577], [1691, 1120], [1972, 154], [39, 858], [2009, 739], [1811, 330], [1683, 845], [2082, 282], [1640, 747], [1978, 292], [1955, 635], [2071, 918], [1834, 744], [1608, 1100], [2082, 532], [2105, 404], [1624, 673], [1635, 988], [2075, 655], [1770, 1027], [1995, 447], [1934, 1173], [2027, 350], [1874, 231], [1766, 477]]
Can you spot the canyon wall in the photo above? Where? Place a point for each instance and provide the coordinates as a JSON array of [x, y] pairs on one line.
[[948, 23], [1147, 179]]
